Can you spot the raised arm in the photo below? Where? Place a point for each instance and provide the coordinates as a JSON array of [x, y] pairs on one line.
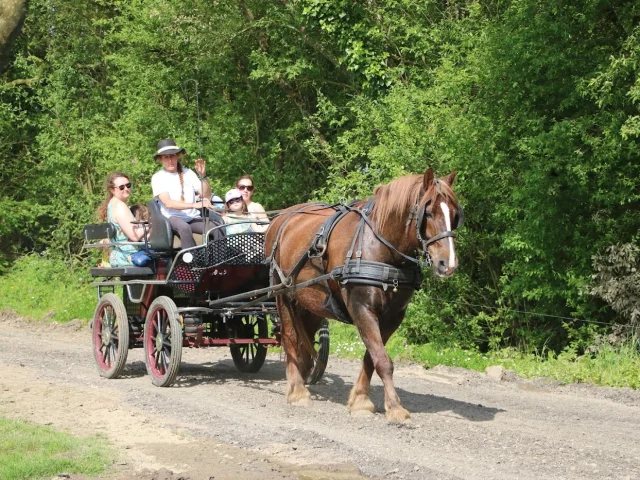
[[201, 170]]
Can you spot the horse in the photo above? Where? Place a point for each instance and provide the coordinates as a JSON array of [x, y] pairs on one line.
[[369, 249]]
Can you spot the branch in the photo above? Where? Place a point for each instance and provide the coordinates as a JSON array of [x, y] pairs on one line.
[[21, 81]]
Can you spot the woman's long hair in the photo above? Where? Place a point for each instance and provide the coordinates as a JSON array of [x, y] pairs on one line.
[[181, 176], [101, 213]]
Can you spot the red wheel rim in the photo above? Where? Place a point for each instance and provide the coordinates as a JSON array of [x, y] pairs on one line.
[[105, 337], [158, 341]]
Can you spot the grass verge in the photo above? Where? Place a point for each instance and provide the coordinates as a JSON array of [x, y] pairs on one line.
[[30, 451], [37, 286], [608, 366]]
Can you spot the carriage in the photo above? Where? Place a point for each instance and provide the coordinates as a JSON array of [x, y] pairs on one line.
[[215, 294], [358, 263]]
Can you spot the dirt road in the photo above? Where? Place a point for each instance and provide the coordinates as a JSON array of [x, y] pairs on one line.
[[218, 423]]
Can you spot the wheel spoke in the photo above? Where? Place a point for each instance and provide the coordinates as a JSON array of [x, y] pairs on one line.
[[107, 356], [112, 349], [165, 361], [159, 322]]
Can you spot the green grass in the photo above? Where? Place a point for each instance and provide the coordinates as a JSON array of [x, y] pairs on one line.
[[37, 286], [614, 367], [32, 451]]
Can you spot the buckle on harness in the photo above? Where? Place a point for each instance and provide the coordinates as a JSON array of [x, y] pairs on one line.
[[319, 251]]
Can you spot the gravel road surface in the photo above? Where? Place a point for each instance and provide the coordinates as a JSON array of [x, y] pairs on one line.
[[216, 422]]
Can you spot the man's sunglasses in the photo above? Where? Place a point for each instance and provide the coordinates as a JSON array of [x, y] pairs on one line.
[[248, 188], [122, 187]]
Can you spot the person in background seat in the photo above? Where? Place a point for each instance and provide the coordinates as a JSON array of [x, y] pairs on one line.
[[114, 209], [236, 216], [178, 189], [246, 186]]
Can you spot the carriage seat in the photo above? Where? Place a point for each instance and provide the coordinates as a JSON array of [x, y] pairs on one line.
[[163, 239], [94, 235]]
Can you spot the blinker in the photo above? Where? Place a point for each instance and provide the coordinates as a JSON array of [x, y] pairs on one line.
[[458, 220]]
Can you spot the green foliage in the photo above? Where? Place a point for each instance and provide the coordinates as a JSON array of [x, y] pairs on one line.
[[617, 280], [39, 286], [535, 104], [32, 451]]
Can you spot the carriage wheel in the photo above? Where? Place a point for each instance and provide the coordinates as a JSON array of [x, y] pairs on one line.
[[249, 358], [110, 336], [162, 342], [321, 342]]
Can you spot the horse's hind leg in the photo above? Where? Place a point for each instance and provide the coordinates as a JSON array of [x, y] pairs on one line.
[[297, 392], [375, 338]]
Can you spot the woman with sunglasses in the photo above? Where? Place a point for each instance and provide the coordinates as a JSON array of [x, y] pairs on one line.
[[245, 185], [114, 209]]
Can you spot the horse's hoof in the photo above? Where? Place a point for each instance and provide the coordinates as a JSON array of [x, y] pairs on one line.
[[361, 404], [301, 398], [302, 402], [361, 413], [397, 415]]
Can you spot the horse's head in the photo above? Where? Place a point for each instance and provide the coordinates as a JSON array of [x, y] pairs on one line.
[[438, 215]]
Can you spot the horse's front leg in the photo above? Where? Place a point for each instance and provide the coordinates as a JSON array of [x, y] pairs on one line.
[[374, 339], [297, 393], [359, 401]]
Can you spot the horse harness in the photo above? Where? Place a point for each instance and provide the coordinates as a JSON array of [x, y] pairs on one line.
[[355, 270]]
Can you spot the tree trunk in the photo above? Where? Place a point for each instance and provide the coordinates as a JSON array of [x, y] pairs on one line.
[[12, 15]]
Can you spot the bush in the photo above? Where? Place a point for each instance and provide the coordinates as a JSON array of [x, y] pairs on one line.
[[617, 280]]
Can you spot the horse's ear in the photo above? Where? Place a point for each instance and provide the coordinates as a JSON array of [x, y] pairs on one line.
[[450, 178], [429, 178]]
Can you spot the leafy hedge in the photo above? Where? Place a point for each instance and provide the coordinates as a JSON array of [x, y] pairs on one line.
[[535, 103]]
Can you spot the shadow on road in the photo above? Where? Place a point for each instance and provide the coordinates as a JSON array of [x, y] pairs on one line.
[[331, 388]]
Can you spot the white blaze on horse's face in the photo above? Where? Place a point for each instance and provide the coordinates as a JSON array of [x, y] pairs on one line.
[[447, 219]]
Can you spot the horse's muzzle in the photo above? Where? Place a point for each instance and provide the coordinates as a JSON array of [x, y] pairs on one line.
[[444, 269]]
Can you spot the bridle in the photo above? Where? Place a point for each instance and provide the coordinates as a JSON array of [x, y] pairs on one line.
[[419, 212]]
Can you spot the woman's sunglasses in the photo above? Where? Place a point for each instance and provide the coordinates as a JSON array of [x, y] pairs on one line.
[[122, 187], [248, 188]]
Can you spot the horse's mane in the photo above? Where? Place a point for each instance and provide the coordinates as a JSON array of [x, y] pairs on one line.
[[400, 195]]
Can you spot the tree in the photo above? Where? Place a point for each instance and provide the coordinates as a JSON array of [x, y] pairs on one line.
[[12, 16]]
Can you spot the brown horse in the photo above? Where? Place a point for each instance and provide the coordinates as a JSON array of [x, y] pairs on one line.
[[409, 213]]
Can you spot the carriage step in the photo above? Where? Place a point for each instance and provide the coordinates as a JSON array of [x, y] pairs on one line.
[[121, 271]]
